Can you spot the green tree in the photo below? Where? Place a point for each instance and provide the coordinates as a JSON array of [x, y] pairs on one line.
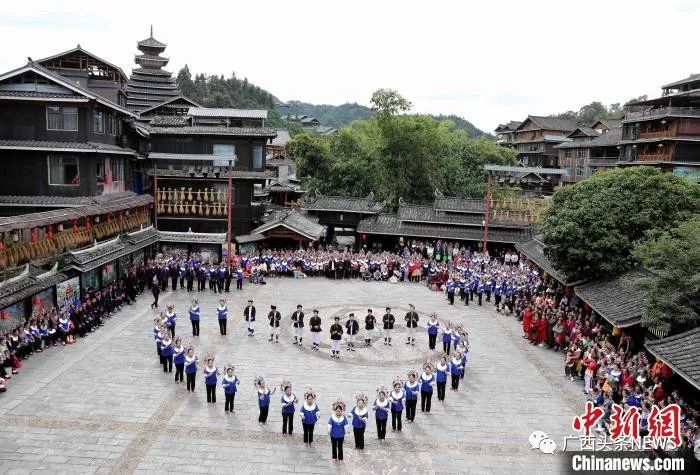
[[398, 156], [591, 227], [388, 102], [672, 295], [184, 81], [592, 112], [312, 156]]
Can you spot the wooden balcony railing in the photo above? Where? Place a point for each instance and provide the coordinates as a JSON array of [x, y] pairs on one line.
[[658, 157], [656, 135], [663, 111]]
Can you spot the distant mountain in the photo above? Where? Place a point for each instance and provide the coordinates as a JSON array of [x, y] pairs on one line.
[[463, 124], [338, 116], [332, 116], [218, 91]]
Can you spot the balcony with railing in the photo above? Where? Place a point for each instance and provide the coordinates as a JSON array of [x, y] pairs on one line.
[[657, 134], [654, 157]]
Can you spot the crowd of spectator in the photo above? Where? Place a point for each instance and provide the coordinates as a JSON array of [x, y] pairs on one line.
[[50, 327]]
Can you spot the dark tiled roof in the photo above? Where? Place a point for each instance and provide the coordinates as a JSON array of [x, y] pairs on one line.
[[82, 147], [585, 130], [63, 201], [103, 253], [154, 72], [170, 101], [151, 42], [89, 254], [44, 218], [37, 94], [245, 238], [296, 220], [610, 123], [207, 130], [459, 205], [617, 300], [428, 214], [608, 139], [27, 287], [224, 112], [691, 78], [152, 57], [534, 251], [347, 204], [552, 123], [390, 224], [169, 121], [680, 353], [204, 238], [137, 237]]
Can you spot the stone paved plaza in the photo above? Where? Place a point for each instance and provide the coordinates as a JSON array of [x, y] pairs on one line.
[[104, 405]]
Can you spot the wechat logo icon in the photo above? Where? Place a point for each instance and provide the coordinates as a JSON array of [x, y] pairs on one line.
[[539, 440]]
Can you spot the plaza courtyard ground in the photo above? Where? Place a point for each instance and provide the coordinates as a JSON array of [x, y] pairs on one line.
[[104, 405]]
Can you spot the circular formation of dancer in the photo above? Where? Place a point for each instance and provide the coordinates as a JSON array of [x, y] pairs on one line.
[[389, 403]]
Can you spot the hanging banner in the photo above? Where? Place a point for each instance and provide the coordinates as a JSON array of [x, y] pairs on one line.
[[67, 292]]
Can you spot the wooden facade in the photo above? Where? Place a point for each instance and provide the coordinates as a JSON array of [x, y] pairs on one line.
[[665, 131], [195, 181], [58, 139], [536, 137]]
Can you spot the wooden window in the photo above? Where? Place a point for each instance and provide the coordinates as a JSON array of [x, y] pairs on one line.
[[117, 168], [111, 124], [63, 170], [62, 118], [257, 157], [226, 150], [98, 122]]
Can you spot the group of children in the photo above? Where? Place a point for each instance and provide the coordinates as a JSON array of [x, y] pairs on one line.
[[388, 404]]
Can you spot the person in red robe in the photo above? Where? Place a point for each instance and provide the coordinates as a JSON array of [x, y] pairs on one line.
[[542, 331], [534, 329], [527, 321]]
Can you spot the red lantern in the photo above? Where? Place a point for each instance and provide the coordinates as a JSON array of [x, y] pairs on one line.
[[121, 216], [87, 223], [49, 231], [2, 246], [34, 234], [75, 225], [5, 315], [363, 237]]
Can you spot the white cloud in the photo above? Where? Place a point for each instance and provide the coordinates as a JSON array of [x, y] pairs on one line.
[[487, 61]]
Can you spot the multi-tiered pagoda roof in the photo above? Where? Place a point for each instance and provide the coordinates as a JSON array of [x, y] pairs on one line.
[[149, 84]]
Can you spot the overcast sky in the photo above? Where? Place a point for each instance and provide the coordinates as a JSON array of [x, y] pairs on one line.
[[488, 61]]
